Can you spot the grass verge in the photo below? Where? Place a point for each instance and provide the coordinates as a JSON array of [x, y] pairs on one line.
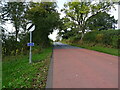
[[99, 48], [18, 73], [111, 51]]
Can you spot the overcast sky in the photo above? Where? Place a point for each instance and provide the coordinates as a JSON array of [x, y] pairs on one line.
[[60, 6]]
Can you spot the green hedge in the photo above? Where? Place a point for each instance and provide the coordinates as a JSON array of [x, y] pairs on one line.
[[106, 37]]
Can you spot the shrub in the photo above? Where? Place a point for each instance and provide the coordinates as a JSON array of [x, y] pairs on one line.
[[106, 37], [90, 36], [99, 37]]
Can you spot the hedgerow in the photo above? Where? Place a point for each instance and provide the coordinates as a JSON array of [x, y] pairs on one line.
[[106, 37]]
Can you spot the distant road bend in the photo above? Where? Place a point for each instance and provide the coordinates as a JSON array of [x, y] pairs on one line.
[[75, 67]]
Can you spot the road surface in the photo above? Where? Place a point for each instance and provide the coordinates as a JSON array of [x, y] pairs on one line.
[[75, 67]]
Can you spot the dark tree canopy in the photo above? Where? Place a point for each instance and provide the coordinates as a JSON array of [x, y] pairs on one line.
[[46, 18], [101, 21], [14, 12]]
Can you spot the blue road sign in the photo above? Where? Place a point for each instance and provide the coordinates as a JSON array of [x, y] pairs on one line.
[[30, 44]]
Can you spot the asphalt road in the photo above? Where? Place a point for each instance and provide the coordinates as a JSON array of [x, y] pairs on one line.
[[75, 67], [58, 45]]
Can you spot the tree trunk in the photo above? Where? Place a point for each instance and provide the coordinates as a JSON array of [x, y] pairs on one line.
[[16, 33], [82, 36], [16, 36]]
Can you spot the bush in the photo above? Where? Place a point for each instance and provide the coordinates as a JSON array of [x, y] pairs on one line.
[[99, 37], [107, 38], [12, 47], [90, 36]]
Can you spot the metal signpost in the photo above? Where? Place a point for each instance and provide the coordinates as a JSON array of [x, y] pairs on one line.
[[31, 28], [119, 15]]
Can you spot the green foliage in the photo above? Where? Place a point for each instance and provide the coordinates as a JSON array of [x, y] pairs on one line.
[[99, 37], [105, 38], [108, 38], [101, 21], [12, 47], [18, 73], [99, 48], [94, 47], [90, 36], [79, 13], [15, 12], [46, 18]]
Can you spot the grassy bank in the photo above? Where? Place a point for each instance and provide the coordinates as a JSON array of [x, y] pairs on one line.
[[111, 51], [18, 73], [99, 48]]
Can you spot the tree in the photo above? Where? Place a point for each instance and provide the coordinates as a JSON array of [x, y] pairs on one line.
[[46, 18], [101, 21], [78, 13], [14, 12]]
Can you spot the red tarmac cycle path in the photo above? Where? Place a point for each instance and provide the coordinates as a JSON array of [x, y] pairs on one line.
[[82, 68]]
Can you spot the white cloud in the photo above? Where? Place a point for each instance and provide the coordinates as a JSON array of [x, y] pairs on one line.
[[114, 13], [53, 35], [9, 26]]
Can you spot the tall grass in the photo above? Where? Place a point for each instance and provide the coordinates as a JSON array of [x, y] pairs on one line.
[[18, 73]]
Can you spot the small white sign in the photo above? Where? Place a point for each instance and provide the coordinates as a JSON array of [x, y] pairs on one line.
[[31, 27]]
